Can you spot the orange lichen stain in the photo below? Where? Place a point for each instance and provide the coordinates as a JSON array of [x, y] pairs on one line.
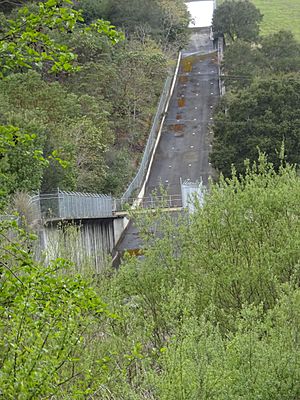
[[188, 62], [181, 102], [177, 127], [187, 65], [183, 79]]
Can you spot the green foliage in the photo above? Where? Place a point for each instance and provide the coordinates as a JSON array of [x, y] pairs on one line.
[[21, 161], [74, 127], [130, 79], [281, 52], [47, 319], [241, 64], [165, 21], [259, 360], [211, 305], [237, 19], [26, 40], [276, 53], [34, 37], [261, 116], [210, 311]]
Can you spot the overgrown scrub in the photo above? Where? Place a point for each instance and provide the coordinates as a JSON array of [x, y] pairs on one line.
[[211, 306], [49, 319], [209, 311], [82, 89]]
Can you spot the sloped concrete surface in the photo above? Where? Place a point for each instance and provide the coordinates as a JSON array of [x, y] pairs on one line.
[[183, 150]]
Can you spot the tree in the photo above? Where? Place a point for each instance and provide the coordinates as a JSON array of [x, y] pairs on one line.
[[241, 64], [262, 116], [26, 40], [237, 19], [211, 306], [165, 21], [276, 53], [129, 77], [8, 5], [281, 52], [71, 132], [21, 160], [48, 319], [32, 38]]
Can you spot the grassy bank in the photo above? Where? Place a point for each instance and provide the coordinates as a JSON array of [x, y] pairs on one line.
[[279, 15]]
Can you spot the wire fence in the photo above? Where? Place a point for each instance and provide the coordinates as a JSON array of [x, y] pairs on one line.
[[149, 202], [71, 205], [220, 59], [161, 109], [68, 205]]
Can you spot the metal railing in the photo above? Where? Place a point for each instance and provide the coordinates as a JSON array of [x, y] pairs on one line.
[[149, 202], [220, 59], [72, 205], [139, 177], [68, 205]]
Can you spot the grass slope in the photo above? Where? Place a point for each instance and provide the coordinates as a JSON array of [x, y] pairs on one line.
[[278, 15]]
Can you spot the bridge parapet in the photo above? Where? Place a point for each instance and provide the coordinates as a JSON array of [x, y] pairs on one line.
[[71, 205]]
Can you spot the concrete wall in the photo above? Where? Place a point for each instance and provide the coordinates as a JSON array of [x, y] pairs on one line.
[[87, 242]]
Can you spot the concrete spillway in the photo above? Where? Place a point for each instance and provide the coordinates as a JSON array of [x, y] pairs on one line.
[[183, 150]]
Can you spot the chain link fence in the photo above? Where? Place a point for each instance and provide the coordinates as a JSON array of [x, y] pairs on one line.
[[149, 202], [220, 59], [68, 205], [161, 109]]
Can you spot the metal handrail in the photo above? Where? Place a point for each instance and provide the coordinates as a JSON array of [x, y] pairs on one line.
[[64, 205], [166, 201], [71, 205]]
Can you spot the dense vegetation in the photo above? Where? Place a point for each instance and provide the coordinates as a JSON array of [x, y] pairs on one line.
[[237, 19], [261, 108], [211, 311], [278, 15], [83, 92]]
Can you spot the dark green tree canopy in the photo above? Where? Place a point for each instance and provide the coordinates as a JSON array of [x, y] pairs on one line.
[[237, 19], [281, 52], [262, 116], [276, 53], [164, 20]]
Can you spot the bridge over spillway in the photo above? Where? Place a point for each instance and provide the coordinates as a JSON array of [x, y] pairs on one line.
[[183, 150], [176, 157]]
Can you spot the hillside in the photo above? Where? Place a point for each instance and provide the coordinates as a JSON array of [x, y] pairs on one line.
[[279, 15]]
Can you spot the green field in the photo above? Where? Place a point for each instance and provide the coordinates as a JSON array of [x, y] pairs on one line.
[[279, 14]]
